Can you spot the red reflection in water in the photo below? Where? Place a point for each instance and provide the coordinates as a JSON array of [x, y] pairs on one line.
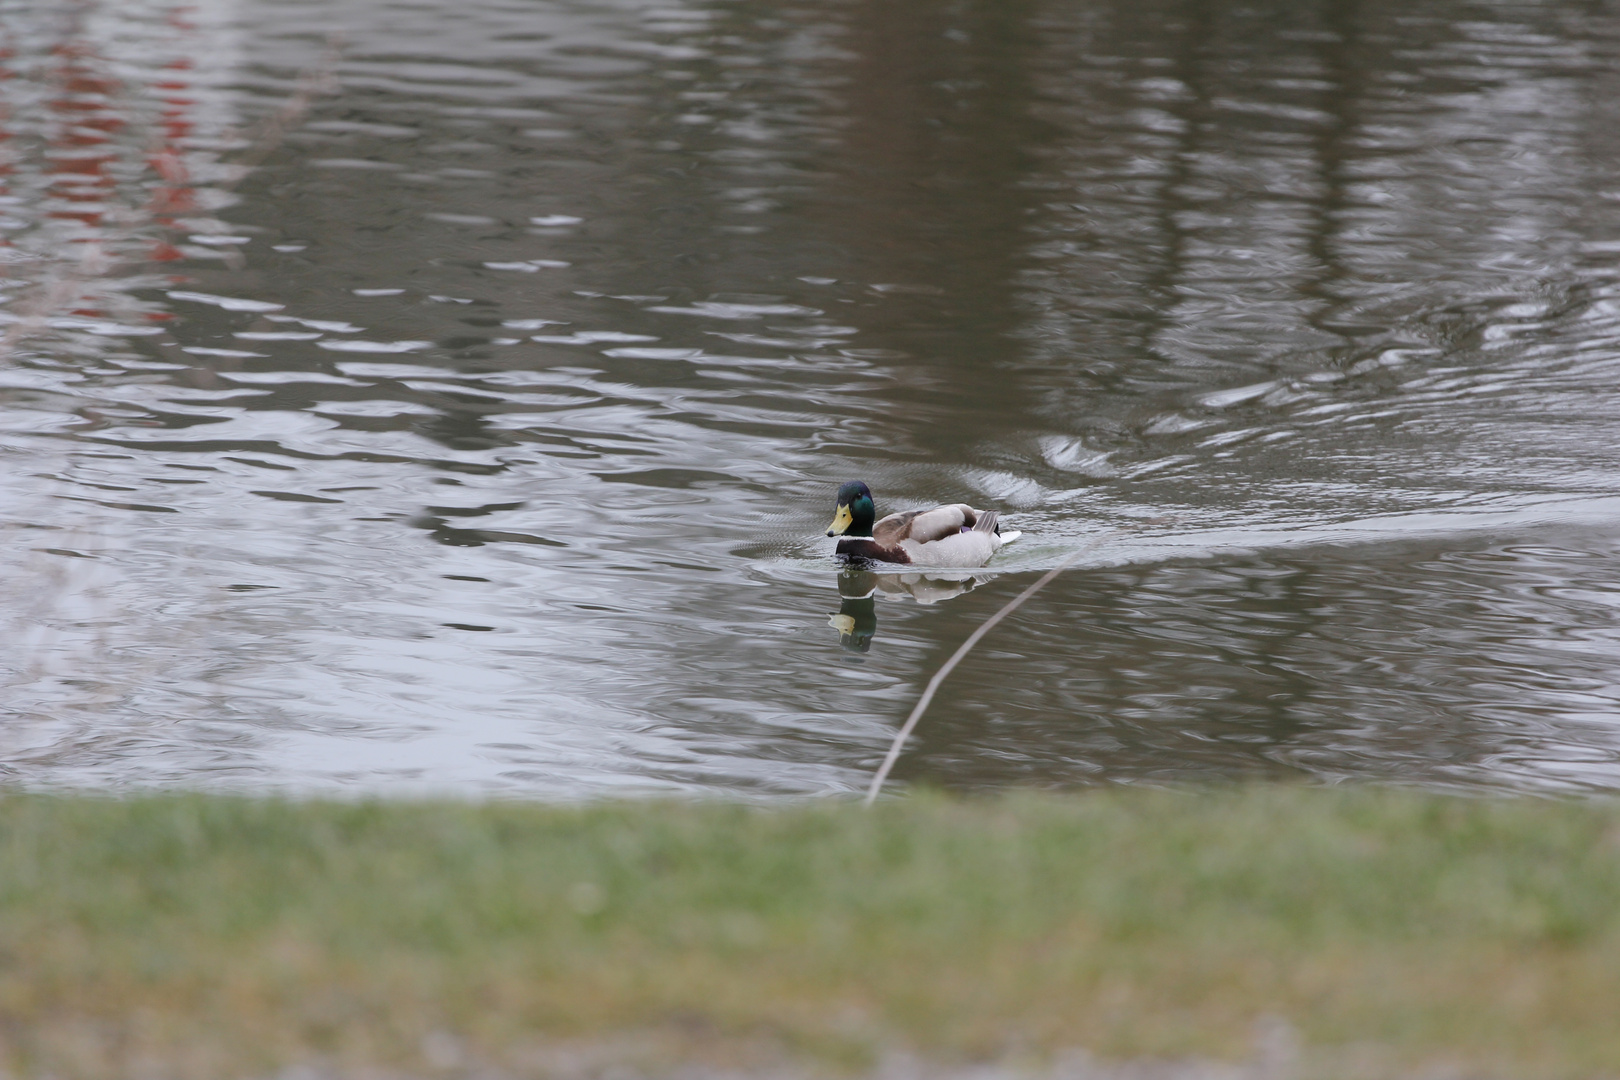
[[85, 159], [7, 57], [81, 147], [174, 194]]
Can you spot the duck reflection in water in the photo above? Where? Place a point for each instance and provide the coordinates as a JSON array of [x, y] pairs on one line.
[[856, 620]]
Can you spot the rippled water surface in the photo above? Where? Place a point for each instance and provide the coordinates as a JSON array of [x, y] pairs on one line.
[[400, 395]]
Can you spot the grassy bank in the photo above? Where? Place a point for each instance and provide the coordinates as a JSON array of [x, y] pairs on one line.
[[219, 937]]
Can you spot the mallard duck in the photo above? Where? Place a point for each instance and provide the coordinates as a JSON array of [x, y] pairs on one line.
[[954, 536]]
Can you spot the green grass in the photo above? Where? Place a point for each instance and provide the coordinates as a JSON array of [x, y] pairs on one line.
[[194, 936]]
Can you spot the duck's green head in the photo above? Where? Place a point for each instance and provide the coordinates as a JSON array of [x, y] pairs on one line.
[[855, 512]]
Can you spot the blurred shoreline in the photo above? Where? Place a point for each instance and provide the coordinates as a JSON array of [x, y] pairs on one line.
[[1250, 931]]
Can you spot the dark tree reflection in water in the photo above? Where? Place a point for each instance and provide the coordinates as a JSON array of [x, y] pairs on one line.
[[483, 437]]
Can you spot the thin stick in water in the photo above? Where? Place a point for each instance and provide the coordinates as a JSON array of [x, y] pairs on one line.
[[967, 646]]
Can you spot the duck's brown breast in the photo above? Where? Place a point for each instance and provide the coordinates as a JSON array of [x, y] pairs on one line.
[[859, 547]]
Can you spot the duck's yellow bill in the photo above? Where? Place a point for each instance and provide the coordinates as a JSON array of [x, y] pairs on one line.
[[841, 521]]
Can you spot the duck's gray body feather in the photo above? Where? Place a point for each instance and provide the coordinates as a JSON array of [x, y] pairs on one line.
[[956, 548], [936, 537]]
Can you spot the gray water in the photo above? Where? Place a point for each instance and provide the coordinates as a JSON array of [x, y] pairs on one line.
[[422, 396]]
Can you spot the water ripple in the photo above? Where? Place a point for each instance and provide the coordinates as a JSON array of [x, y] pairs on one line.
[[476, 430]]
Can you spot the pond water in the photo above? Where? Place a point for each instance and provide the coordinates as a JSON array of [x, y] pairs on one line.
[[402, 396]]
